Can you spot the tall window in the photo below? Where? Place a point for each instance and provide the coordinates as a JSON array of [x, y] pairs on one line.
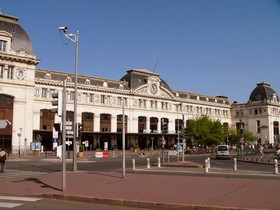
[[258, 126], [10, 72], [3, 46], [44, 92], [103, 99], [119, 101], [1, 71], [91, 97], [72, 95]]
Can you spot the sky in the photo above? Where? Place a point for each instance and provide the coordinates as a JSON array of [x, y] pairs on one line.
[[209, 47]]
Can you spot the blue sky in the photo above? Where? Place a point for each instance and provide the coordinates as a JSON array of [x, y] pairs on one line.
[[210, 47]]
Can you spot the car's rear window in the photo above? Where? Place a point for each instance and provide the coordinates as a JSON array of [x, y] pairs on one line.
[[222, 148]]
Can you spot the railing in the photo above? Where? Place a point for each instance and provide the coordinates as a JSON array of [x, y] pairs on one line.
[[266, 156]]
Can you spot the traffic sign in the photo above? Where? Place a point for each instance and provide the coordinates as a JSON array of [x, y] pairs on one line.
[[4, 123], [69, 132]]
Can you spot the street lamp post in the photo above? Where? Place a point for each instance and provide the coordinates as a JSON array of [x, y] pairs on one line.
[[19, 136], [123, 139], [74, 38]]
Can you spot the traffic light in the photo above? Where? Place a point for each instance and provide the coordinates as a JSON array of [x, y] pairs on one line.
[[79, 128], [242, 132], [57, 102], [185, 131], [165, 128], [57, 127]]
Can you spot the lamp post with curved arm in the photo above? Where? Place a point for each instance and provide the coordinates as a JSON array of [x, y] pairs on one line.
[[74, 38]]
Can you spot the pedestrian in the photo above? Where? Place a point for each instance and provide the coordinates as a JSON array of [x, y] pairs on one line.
[[278, 152], [3, 157], [261, 151]]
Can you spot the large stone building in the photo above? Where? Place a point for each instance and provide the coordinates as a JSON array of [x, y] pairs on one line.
[[149, 103]]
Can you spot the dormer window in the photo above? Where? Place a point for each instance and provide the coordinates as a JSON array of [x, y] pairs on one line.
[[68, 79], [87, 82], [48, 76], [5, 41], [3, 46]]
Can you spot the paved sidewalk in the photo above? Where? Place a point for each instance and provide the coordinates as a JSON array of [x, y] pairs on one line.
[[151, 191]]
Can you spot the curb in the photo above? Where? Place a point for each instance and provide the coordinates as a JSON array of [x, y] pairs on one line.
[[139, 204]]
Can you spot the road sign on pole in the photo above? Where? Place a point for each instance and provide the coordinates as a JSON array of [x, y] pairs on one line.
[[4, 123]]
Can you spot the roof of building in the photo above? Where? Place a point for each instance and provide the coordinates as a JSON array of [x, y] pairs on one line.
[[139, 77], [20, 39], [263, 92]]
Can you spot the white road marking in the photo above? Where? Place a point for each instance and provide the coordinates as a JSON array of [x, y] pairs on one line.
[[15, 198], [9, 205]]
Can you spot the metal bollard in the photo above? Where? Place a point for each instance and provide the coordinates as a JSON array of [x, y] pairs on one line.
[[234, 164], [133, 164], [275, 166], [206, 166], [208, 162], [158, 162], [148, 163]]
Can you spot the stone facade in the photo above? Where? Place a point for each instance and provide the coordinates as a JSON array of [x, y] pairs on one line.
[[148, 102]]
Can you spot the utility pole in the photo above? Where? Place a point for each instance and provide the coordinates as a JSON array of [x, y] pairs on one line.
[[64, 136]]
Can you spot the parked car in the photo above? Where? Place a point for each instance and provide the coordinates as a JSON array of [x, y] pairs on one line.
[[223, 152]]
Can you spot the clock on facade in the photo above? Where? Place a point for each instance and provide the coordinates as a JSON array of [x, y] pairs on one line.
[[154, 88]]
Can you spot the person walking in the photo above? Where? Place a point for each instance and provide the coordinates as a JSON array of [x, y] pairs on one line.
[[3, 157]]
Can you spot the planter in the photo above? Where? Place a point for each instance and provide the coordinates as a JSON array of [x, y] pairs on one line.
[[81, 154]]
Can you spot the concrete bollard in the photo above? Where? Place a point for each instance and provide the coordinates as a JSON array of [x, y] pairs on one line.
[[208, 159], [168, 158], [148, 163], [234, 164], [158, 162], [133, 164], [275, 166], [206, 166]]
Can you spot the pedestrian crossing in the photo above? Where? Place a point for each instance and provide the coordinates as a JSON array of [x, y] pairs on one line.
[[10, 173], [15, 201]]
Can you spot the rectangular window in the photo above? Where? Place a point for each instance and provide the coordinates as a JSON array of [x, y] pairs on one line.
[[72, 95], [10, 72], [44, 92], [91, 97], [3, 46], [108, 99], [145, 103], [102, 99], [258, 111], [1, 71], [258, 126], [84, 97], [119, 101], [125, 101]]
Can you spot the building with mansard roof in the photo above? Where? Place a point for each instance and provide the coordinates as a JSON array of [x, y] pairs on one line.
[[146, 101]]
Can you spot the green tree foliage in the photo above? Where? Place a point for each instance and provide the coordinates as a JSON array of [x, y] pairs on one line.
[[234, 136], [205, 131]]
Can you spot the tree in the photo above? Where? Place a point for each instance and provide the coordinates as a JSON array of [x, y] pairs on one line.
[[205, 131]]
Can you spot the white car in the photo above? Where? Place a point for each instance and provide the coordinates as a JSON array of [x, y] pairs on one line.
[[223, 152]]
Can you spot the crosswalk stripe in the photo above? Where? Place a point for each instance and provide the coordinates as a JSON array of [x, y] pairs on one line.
[[9, 205], [15, 198], [16, 173]]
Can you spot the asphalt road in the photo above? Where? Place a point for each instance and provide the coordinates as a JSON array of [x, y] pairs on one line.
[[115, 164]]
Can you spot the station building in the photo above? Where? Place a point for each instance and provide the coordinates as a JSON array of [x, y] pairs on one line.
[[146, 101]]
